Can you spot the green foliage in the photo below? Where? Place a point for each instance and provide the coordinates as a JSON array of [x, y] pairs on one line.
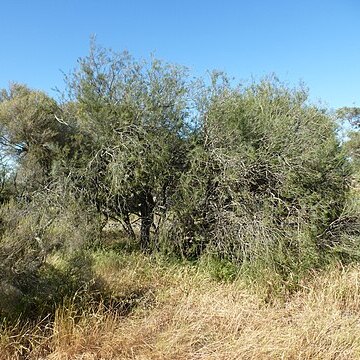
[[351, 114], [135, 116], [31, 134], [30, 233], [252, 178], [265, 183], [219, 268]]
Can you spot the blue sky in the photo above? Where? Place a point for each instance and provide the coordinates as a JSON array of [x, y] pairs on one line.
[[314, 41]]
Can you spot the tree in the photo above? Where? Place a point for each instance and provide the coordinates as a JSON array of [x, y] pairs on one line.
[[267, 176], [135, 116], [31, 134], [351, 115]]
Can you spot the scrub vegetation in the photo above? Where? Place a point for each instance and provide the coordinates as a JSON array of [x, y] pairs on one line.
[[148, 214]]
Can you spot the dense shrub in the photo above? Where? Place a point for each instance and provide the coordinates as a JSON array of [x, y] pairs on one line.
[[266, 181], [32, 231], [252, 176]]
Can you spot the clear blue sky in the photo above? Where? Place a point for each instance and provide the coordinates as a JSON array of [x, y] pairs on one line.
[[316, 41]]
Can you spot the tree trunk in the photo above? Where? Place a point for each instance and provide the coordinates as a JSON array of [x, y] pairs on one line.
[[147, 218], [127, 225]]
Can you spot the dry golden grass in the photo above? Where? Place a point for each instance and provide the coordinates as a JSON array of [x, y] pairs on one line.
[[182, 313]]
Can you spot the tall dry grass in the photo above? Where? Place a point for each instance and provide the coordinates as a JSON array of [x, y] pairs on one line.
[[182, 313]]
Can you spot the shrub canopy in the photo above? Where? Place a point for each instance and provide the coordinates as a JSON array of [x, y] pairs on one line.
[[249, 173]]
